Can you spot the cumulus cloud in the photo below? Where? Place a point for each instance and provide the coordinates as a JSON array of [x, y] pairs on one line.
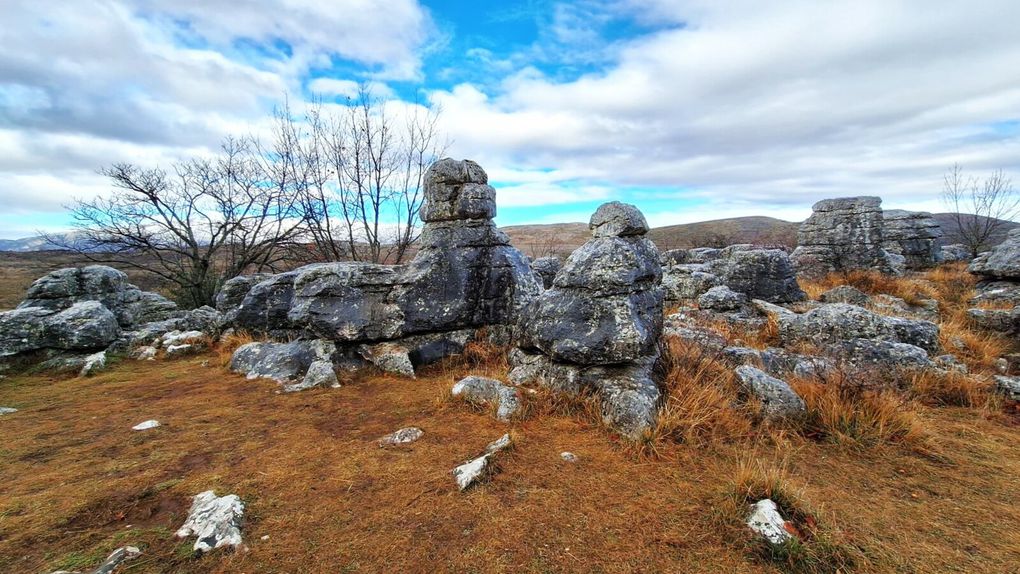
[[748, 103]]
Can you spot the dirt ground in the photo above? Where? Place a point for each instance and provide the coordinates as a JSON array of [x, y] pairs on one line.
[[322, 496]]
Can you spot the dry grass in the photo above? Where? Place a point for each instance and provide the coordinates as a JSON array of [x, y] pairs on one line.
[[315, 481], [850, 409], [699, 405], [911, 289]]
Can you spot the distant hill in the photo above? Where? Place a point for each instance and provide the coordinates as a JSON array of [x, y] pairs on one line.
[[561, 238]]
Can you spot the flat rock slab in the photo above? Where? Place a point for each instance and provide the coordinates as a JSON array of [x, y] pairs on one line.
[[146, 425], [7, 410]]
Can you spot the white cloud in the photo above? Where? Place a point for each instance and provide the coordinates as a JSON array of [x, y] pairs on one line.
[[773, 108]]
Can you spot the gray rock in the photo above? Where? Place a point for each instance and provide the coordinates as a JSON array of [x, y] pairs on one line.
[[282, 362], [176, 351], [547, 268], [722, 298], [842, 234], [233, 291], [569, 457], [1008, 386], [778, 399], [115, 559], [1002, 262], [995, 291], [838, 322], [402, 436], [389, 357], [319, 374], [87, 325], [457, 190], [914, 235], [214, 520], [687, 281], [950, 363], [93, 364], [999, 320], [7, 410], [483, 390], [766, 274], [883, 354], [925, 309], [615, 219], [955, 252], [22, 330], [845, 294], [346, 301]]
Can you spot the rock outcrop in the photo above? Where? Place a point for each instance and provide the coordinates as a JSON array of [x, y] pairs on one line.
[[999, 270], [465, 276], [766, 274], [598, 327], [842, 234], [915, 235], [547, 268], [215, 521]]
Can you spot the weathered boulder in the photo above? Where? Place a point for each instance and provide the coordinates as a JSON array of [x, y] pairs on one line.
[[765, 521], [87, 325], [840, 322], [131, 306], [598, 326], [1005, 321], [486, 391], [842, 234], [546, 268], [955, 252], [722, 298], [914, 235], [845, 294], [766, 274], [1008, 386], [282, 362], [1002, 262], [883, 354], [777, 398], [346, 302]]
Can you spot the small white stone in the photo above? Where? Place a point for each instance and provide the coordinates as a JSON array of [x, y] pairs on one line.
[[264, 537], [402, 436], [7, 410], [146, 353], [467, 473], [93, 364], [146, 425], [568, 456], [766, 521]]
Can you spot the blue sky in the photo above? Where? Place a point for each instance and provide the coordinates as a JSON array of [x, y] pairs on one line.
[[691, 109]]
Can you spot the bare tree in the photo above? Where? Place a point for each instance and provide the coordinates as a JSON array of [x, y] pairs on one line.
[[204, 221], [366, 172], [980, 209]]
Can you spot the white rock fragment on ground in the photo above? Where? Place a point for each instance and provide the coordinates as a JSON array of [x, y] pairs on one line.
[[182, 350], [146, 425], [214, 520], [175, 338], [483, 390], [402, 436], [93, 364], [470, 472], [766, 521], [7, 410], [569, 456], [147, 353]]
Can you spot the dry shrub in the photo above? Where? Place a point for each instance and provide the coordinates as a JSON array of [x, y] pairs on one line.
[[952, 389], [813, 549], [858, 410], [911, 290], [699, 390], [953, 284], [231, 342], [976, 348]]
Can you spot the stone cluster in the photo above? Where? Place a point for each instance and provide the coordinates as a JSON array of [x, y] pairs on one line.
[[999, 270], [843, 234], [597, 328], [465, 276], [71, 316], [766, 274]]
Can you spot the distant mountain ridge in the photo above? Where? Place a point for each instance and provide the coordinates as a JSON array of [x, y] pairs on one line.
[[538, 240]]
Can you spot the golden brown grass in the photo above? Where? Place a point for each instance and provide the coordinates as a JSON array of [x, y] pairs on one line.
[[700, 391], [850, 410], [315, 481], [911, 289]]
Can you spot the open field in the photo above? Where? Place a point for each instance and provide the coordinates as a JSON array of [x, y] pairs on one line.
[[78, 482]]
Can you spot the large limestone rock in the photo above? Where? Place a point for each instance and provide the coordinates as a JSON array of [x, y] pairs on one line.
[[915, 235], [1002, 262], [297, 364], [842, 234], [766, 274], [598, 326], [837, 323], [778, 399], [215, 521], [130, 305], [547, 268], [82, 326], [465, 275]]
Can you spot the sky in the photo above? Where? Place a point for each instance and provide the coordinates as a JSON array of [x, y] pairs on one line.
[[691, 110]]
